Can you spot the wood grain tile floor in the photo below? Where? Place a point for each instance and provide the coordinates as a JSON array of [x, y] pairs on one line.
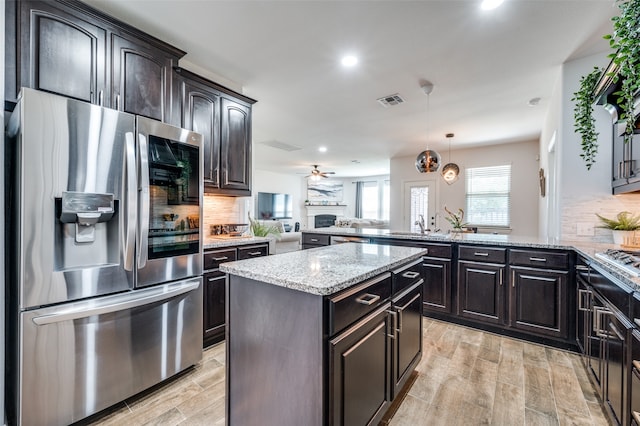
[[466, 377]]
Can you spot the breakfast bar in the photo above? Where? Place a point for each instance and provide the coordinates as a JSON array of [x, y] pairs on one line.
[[321, 336]]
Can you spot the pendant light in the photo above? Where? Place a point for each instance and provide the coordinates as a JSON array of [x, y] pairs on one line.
[[451, 171], [427, 161]]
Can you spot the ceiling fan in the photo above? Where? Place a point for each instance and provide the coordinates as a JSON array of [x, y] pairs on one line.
[[317, 174]]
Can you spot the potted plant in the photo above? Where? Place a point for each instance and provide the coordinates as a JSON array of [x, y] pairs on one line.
[[626, 45], [584, 123], [259, 229], [456, 220], [623, 227]]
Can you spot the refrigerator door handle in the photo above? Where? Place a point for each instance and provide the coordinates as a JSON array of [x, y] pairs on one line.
[[143, 213], [134, 300], [132, 192]]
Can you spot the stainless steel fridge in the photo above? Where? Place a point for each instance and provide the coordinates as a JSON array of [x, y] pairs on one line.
[[104, 228]]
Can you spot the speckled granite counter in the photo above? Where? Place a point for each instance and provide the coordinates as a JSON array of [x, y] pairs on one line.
[[325, 270], [212, 242], [587, 250]]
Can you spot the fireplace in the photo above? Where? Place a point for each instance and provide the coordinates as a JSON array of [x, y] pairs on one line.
[[335, 211], [324, 220]]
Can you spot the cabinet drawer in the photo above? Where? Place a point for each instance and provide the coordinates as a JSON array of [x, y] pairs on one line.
[[315, 239], [252, 251], [483, 254], [213, 259], [406, 276], [437, 250], [541, 259], [353, 303]]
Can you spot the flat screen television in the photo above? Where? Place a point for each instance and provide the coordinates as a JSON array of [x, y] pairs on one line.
[[274, 206]]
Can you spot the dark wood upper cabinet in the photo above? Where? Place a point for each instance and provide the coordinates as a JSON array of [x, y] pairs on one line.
[[61, 52], [141, 78], [235, 147], [198, 109], [68, 48], [223, 117]]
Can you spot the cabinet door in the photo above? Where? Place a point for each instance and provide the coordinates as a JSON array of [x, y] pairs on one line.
[[201, 113], [360, 370], [437, 285], [141, 78], [480, 292], [408, 341], [214, 307], [618, 367], [235, 147], [538, 302], [60, 52]]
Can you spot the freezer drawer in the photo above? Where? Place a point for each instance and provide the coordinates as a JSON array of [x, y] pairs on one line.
[[79, 358]]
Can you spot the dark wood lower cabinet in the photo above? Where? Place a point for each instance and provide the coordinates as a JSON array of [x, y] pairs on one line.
[[481, 291], [437, 285], [617, 357], [338, 359], [360, 363], [538, 301], [408, 341], [214, 307]]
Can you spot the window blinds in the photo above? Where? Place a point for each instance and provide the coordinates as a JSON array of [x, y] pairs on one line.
[[488, 196]]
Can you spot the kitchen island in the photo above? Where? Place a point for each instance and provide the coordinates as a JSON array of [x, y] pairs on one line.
[[326, 336]]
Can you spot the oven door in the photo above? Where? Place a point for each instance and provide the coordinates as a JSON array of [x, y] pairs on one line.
[[169, 236]]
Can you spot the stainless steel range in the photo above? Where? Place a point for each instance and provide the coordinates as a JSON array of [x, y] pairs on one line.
[[624, 260]]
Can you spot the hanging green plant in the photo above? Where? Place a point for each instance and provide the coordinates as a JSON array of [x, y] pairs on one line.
[[625, 42], [584, 123]]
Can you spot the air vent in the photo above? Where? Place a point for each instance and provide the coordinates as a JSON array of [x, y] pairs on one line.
[[390, 100], [281, 145]]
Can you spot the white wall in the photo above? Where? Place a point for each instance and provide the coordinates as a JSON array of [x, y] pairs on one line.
[[524, 183], [581, 193]]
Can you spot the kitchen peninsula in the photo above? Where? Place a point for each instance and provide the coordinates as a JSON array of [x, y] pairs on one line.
[[322, 336]]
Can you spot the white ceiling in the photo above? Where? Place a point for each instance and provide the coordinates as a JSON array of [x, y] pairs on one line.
[[485, 66]]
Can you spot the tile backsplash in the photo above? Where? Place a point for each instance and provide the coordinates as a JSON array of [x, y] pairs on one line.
[[218, 210], [582, 210]]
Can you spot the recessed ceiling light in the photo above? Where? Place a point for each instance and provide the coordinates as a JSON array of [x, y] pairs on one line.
[[490, 4], [534, 102], [322, 149], [349, 61]]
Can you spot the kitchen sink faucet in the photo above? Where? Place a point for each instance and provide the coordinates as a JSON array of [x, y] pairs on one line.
[[420, 223]]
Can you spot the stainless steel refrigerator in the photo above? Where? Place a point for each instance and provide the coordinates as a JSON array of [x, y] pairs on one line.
[[104, 286]]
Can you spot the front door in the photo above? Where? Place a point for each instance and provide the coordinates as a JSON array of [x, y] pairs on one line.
[[419, 199]]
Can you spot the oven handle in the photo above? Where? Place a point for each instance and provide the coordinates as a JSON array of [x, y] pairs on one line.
[[131, 300]]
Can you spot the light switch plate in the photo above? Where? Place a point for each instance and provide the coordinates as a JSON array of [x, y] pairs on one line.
[[585, 229]]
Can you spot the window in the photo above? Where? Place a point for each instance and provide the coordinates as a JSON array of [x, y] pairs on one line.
[[419, 205], [370, 200], [373, 201], [488, 196]]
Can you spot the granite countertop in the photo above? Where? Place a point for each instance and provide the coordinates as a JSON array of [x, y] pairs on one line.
[[324, 270], [586, 249], [211, 242]]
